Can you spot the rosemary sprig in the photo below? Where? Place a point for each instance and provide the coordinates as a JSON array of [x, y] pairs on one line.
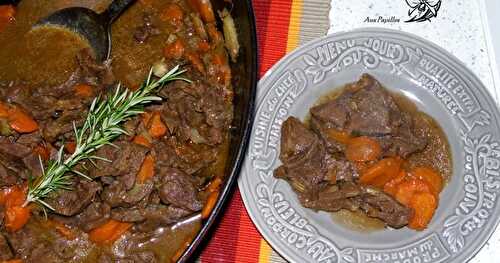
[[101, 127]]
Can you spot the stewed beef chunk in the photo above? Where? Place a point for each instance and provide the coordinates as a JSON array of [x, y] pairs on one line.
[[93, 216], [178, 188], [303, 157], [380, 205], [72, 202], [127, 158], [186, 156], [7, 178], [365, 108], [161, 215], [371, 201], [116, 194], [17, 160]]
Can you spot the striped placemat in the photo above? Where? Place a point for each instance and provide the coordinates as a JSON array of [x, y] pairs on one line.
[[282, 25]]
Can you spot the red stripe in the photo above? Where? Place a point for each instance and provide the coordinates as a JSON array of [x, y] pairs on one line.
[[275, 34], [248, 247], [222, 245], [235, 232], [261, 9]]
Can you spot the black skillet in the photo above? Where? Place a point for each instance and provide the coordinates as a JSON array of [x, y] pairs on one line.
[[245, 84]]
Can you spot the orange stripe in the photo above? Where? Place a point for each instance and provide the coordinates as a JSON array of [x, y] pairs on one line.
[[265, 251], [294, 26]]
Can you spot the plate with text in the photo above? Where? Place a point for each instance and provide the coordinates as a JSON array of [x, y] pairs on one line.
[[439, 85]]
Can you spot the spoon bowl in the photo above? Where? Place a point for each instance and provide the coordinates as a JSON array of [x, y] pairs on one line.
[[93, 27]]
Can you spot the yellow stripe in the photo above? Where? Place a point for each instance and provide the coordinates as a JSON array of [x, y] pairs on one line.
[[265, 252], [294, 26]]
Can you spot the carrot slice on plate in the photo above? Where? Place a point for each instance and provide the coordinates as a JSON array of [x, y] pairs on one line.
[[431, 177], [391, 187], [339, 136], [424, 205], [410, 187], [381, 172], [362, 149]]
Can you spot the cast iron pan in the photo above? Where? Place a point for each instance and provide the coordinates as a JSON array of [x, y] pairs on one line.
[[245, 85]]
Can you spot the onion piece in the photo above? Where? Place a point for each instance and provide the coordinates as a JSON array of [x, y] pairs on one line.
[[230, 34], [160, 68], [196, 136]]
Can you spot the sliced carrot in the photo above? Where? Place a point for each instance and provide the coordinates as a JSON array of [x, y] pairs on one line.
[[209, 205], [391, 172], [42, 151], [339, 136], [15, 196], [172, 13], [4, 110], [219, 58], [194, 58], [203, 45], [362, 149], [21, 121], [214, 34], [431, 177], [214, 185], [109, 232], [381, 172], [16, 215], [174, 50], [391, 187], [157, 128], [408, 188], [424, 205], [13, 261], [373, 172], [70, 147], [147, 169], [83, 90], [206, 11], [142, 140], [7, 13], [181, 250]]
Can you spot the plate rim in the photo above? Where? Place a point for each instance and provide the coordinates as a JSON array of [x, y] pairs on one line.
[[460, 66]]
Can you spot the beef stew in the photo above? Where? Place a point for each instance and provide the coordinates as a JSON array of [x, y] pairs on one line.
[[367, 151], [185, 139]]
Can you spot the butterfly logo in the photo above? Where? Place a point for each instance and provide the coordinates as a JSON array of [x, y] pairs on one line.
[[422, 10]]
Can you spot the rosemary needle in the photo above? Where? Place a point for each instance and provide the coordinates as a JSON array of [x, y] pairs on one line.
[[102, 125]]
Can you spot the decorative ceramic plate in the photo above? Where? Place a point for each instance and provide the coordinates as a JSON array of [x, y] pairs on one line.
[[439, 85]]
